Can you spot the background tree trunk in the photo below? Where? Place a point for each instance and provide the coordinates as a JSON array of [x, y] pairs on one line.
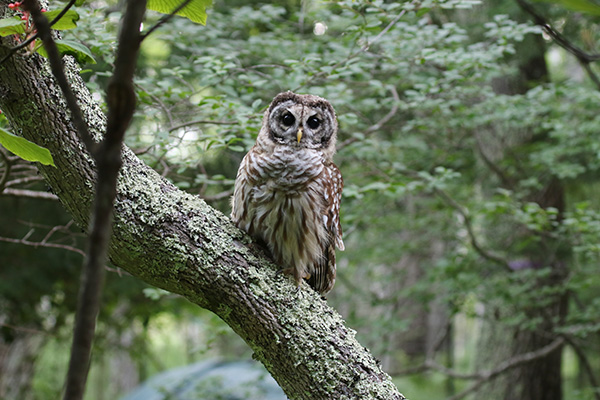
[[17, 364], [541, 379], [174, 241]]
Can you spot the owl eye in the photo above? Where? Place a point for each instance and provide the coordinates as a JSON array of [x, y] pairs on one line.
[[313, 122], [288, 119]]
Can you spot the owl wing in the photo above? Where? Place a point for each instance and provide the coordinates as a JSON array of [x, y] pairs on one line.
[[334, 198], [323, 277]]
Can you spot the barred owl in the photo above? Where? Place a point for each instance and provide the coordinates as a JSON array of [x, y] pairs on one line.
[[288, 190]]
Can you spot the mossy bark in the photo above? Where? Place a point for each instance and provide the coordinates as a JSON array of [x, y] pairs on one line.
[[175, 241]]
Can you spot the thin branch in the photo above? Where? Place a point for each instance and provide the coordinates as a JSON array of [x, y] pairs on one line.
[[384, 31], [585, 362], [584, 58], [485, 376], [506, 181], [464, 213], [7, 167], [23, 329], [470, 231], [380, 123], [55, 229], [24, 44], [41, 244], [165, 19], [201, 121], [121, 101], [43, 27], [358, 52], [218, 196], [592, 75], [514, 362], [32, 194], [160, 103], [21, 181]]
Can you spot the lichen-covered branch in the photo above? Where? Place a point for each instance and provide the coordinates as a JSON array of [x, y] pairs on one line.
[[173, 240]]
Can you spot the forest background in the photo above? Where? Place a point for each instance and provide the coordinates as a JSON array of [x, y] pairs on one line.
[[469, 148]]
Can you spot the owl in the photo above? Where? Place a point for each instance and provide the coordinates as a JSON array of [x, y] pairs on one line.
[[288, 190]]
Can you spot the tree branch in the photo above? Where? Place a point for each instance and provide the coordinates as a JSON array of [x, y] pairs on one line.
[[485, 376], [173, 240], [374, 128], [584, 58]]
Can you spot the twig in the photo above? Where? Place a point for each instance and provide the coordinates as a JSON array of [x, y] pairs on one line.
[[57, 228], [201, 121], [32, 194], [43, 27], [165, 19], [41, 244], [584, 58], [379, 124]]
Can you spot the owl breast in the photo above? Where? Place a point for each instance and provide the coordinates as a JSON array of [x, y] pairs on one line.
[[280, 201]]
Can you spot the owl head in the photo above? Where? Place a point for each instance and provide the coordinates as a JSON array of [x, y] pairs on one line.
[[299, 121]]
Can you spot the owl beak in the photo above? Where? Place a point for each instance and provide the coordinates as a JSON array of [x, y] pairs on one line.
[[299, 134]]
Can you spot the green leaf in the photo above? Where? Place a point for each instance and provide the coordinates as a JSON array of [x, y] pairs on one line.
[[67, 21], [584, 6], [11, 26], [25, 149], [195, 10], [81, 53]]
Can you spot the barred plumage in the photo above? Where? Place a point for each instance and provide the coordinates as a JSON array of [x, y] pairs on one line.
[[288, 190]]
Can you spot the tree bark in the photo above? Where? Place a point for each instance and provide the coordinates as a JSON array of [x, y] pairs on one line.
[[174, 241]]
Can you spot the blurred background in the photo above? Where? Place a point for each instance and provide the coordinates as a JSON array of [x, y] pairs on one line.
[[469, 145]]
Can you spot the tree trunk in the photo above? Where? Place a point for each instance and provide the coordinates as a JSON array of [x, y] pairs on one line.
[[540, 379], [17, 364], [174, 241]]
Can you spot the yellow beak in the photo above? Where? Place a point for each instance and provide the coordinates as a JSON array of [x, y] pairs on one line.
[[299, 134]]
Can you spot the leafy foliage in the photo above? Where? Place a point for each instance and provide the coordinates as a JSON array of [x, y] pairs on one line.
[[24, 148], [195, 10]]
